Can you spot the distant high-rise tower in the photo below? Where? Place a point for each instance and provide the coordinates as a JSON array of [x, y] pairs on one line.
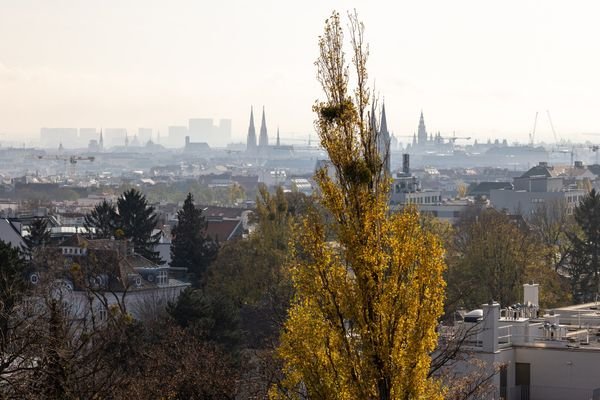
[[101, 141], [251, 140], [383, 140], [422, 132], [278, 142], [263, 140]]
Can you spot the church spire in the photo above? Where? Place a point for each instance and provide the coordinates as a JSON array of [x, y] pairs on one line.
[[373, 122], [422, 132], [383, 140], [251, 140], [263, 140], [278, 143], [383, 123]]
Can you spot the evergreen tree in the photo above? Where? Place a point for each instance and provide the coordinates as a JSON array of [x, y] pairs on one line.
[[39, 235], [190, 247], [103, 219], [137, 219], [368, 284], [210, 317], [585, 254], [12, 284]]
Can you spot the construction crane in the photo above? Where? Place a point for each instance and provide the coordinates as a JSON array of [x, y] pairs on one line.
[[595, 149], [532, 134], [573, 152], [454, 138], [552, 126], [72, 160]]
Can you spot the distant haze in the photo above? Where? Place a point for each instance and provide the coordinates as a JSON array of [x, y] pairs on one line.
[[477, 68]]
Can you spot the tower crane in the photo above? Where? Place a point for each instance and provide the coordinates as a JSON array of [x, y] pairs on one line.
[[454, 138], [595, 148], [552, 126], [72, 160], [532, 134]]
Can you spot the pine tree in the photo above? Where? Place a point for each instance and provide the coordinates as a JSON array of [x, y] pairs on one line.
[[12, 285], [585, 254], [103, 220], [190, 247], [137, 220], [39, 235], [368, 284]]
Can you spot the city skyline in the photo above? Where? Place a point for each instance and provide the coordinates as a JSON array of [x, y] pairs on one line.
[[476, 69]]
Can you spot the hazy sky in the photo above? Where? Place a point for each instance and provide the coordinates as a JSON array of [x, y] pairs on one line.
[[478, 68]]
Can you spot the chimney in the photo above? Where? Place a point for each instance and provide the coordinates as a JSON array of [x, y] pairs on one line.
[[531, 294], [543, 164], [489, 334], [405, 163], [579, 164]]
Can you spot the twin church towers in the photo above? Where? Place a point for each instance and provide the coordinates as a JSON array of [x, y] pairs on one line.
[[263, 139], [378, 126]]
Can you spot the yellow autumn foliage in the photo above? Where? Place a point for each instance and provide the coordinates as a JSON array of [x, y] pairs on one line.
[[368, 284]]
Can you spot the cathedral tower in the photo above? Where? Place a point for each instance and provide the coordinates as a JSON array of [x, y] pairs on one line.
[[383, 140], [263, 140], [422, 132], [251, 140]]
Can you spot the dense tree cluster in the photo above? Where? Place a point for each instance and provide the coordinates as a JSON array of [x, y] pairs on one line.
[[132, 218]]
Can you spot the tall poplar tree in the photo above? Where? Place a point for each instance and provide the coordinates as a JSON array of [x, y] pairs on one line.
[[368, 284], [191, 248]]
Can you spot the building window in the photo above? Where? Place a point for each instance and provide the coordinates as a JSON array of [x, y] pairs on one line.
[[102, 314], [162, 278]]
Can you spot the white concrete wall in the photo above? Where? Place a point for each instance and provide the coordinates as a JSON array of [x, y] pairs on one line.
[[556, 373]]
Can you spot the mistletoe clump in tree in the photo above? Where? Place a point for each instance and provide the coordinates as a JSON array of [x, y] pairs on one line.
[[368, 284], [191, 248]]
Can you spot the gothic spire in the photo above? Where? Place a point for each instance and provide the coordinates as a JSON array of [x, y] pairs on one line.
[[263, 140], [278, 143], [383, 123], [422, 132], [251, 140], [373, 122], [383, 140]]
